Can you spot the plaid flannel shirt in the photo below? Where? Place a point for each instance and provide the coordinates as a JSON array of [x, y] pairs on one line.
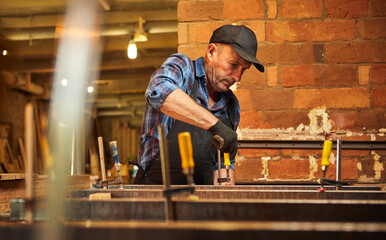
[[176, 72]]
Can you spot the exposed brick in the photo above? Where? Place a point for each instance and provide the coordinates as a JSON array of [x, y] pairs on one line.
[[272, 9], [379, 97], [285, 119], [346, 8], [343, 120], [334, 75], [297, 75], [258, 27], [378, 74], [286, 53], [318, 75], [372, 119], [332, 98], [189, 11], [367, 164], [193, 50], [301, 152], [378, 8], [272, 76], [349, 169], [182, 33], [319, 53], [258, 153], [200, 32], [372, 29], [243, 9], [355, 138], [252, 79], [355, 52], [294, 31], [289, 169], [252, 120], [244, 97], [273, 99], [356, 153], [300, 8], [364, 75], [248, 169]]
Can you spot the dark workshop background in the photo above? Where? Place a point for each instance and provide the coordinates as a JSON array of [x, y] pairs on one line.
[[325, 76]]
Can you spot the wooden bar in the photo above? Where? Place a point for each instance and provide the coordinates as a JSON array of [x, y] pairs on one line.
[[100, 230], [218, 210], [238, 194], [264, 187]]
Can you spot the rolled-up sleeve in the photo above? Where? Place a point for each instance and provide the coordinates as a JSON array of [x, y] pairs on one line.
[[172, 75]]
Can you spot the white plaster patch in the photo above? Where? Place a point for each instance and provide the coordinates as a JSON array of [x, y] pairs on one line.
[[265, 158], [332, 158], [319, 121], [239, 159], [313, 166], [359, 166], [296, 157], [300, 127], [373, 137], [378, 165], [265, 170], [362, 178]]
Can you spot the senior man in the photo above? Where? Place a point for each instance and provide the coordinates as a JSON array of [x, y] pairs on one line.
[[194, 96]]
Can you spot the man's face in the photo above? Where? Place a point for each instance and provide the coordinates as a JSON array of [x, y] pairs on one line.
[[226, 68]]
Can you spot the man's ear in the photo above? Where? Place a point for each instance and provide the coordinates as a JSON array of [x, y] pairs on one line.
[[212, 49]]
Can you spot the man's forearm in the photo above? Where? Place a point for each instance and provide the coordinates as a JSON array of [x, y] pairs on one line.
[[180, 106]]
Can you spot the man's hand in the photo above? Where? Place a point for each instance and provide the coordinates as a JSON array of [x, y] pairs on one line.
[[225, 138]]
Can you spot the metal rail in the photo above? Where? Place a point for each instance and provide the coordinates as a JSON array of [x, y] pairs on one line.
[[310, 144]]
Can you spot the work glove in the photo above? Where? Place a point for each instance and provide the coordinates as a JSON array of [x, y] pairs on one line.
[[225, 138]]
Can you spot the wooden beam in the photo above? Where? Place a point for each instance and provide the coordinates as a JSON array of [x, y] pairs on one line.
[[121, 17], [48, 65], [47, 47], [135, 86]]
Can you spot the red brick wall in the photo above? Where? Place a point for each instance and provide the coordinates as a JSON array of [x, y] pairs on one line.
[[325, 64]]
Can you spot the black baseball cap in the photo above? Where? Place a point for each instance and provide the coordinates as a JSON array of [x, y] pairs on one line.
[[241, 39]]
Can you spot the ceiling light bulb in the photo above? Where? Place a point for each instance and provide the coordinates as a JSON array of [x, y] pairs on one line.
[[5, 52], [90, 89], [64, 82], [132, 50]]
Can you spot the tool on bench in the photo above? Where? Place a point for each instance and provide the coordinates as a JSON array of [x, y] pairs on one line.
[[219, 142], [168, 190], [326, 162], [186, 152], [102, 159], [227, 163], [187, 162], [117, 164]]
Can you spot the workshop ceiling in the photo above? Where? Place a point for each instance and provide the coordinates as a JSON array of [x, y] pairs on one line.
[[27, 32]]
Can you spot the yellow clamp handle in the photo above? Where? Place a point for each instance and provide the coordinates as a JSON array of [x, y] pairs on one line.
[[186, 150], [326, 153], [226, 159]]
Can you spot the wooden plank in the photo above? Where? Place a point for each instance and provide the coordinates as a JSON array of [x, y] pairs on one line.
[[223, 210], [193, 230], [22, 152], [238, 194]]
